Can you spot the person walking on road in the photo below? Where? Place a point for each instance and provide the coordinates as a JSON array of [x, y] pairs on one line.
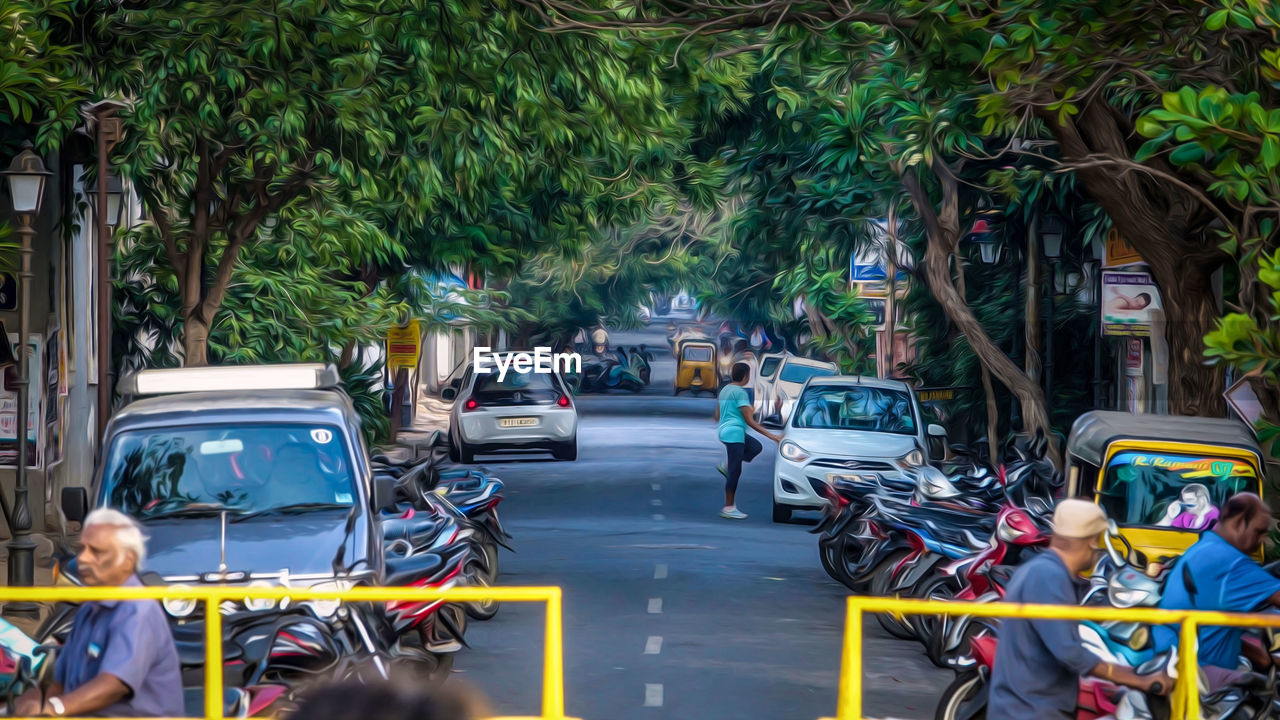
[[120, 659], [734, 415], [1036, 675]]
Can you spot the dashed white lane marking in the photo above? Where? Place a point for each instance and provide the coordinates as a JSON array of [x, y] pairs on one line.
[[655, 502], [653, 645], [655, 606], [660, 571], [659, 516], [653, 694], [657, 487]]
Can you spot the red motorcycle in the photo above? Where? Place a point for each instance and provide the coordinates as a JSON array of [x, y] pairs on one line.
[[981, 577]]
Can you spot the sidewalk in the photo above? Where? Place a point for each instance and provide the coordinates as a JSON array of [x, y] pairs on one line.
[[431, 414], [43, 578]]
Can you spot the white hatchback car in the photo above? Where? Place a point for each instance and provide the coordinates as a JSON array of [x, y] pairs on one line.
[[850, 426], [521, 411]]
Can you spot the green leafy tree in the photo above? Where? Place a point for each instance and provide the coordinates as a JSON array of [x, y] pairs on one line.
[[1077, 73], [450, 131]]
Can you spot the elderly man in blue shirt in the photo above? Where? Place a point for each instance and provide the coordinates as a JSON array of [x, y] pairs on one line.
[[120, 659], [1036, 675], [1217, 574]]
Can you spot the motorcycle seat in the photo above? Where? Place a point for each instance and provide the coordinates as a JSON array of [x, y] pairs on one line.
[[420, 527], [406, 571]]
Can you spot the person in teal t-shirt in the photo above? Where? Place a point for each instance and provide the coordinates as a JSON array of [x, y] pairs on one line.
[[734, 415]]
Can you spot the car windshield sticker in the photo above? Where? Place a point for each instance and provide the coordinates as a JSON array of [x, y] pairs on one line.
[[321, 436], [342, 497]]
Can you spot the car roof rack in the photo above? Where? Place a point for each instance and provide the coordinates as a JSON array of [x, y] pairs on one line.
[[222, 378]]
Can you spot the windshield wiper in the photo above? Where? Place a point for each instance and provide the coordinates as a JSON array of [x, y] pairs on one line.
[[193, 510], [291, 508]]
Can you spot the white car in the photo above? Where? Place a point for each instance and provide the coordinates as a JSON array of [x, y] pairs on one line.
[[521, 411], [790, 378], [851, 426]]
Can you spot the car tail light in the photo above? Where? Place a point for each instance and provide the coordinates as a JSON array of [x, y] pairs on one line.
[[563, 401], [470, 404]]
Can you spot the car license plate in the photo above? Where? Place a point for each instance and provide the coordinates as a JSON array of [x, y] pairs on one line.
[[517, 422]]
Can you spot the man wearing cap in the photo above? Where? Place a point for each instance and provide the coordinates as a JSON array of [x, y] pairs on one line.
[[1039, 662]]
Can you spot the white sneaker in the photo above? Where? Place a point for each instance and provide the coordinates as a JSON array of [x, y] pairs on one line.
[[733, 513]]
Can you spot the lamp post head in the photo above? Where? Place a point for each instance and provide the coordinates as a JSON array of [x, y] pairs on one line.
[[26, 176], [115, 198], [1051, 236], [983, 235]]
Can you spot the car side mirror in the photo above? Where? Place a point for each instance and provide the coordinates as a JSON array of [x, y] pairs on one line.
[[449, 394], [384, 493], [75, 503], [937, 431]]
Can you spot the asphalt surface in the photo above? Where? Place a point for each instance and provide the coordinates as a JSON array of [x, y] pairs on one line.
[[669, 610]]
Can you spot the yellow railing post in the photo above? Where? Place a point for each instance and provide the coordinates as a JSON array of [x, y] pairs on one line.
[[1189, 669], [212, 659], [553, 661], [849, 706], [1187, 697], [213, 596]]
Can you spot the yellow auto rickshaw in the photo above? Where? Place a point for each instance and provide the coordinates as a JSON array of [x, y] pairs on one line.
[[1161, 478], [696, 366]]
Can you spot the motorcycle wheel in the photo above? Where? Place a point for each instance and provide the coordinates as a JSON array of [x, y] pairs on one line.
[[480, 609], [963, 699], [943, 587], [826, 553], [898, 626], [490, 550]]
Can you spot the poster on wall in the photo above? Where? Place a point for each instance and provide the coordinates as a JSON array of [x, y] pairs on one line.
[[1128, 301], [35, 403]]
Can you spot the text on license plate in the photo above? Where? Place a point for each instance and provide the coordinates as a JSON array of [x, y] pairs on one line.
[[517, 422]]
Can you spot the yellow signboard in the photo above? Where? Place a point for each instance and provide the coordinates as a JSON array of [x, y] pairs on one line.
[[936, 395], [404, 346], [1119, 251]]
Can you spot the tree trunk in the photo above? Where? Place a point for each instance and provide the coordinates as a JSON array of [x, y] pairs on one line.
[[1165, 224], [942, 233], [195, 342]]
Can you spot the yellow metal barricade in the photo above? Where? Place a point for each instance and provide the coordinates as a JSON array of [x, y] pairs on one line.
[[849, 703], [213, 595]]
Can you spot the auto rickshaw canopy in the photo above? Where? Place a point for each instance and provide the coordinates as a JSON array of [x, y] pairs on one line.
[[1095, 431]]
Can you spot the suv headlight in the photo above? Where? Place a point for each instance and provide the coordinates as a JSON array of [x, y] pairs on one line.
[[260, 604], [325, 609], [179, 607], [915, 458], [792, 451]]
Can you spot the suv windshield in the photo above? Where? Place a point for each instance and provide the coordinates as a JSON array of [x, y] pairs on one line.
[[241, 468], [796, 373], [516, 389], [843, 407], [1172, 489]]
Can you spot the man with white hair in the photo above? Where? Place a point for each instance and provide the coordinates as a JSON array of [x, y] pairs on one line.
[[119, 659]]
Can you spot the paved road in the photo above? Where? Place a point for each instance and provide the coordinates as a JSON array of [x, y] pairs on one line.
[[671, 611]]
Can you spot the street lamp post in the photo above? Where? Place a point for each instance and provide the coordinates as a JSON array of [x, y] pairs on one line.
[[1051, 239], [107, 131], [26, 176]]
